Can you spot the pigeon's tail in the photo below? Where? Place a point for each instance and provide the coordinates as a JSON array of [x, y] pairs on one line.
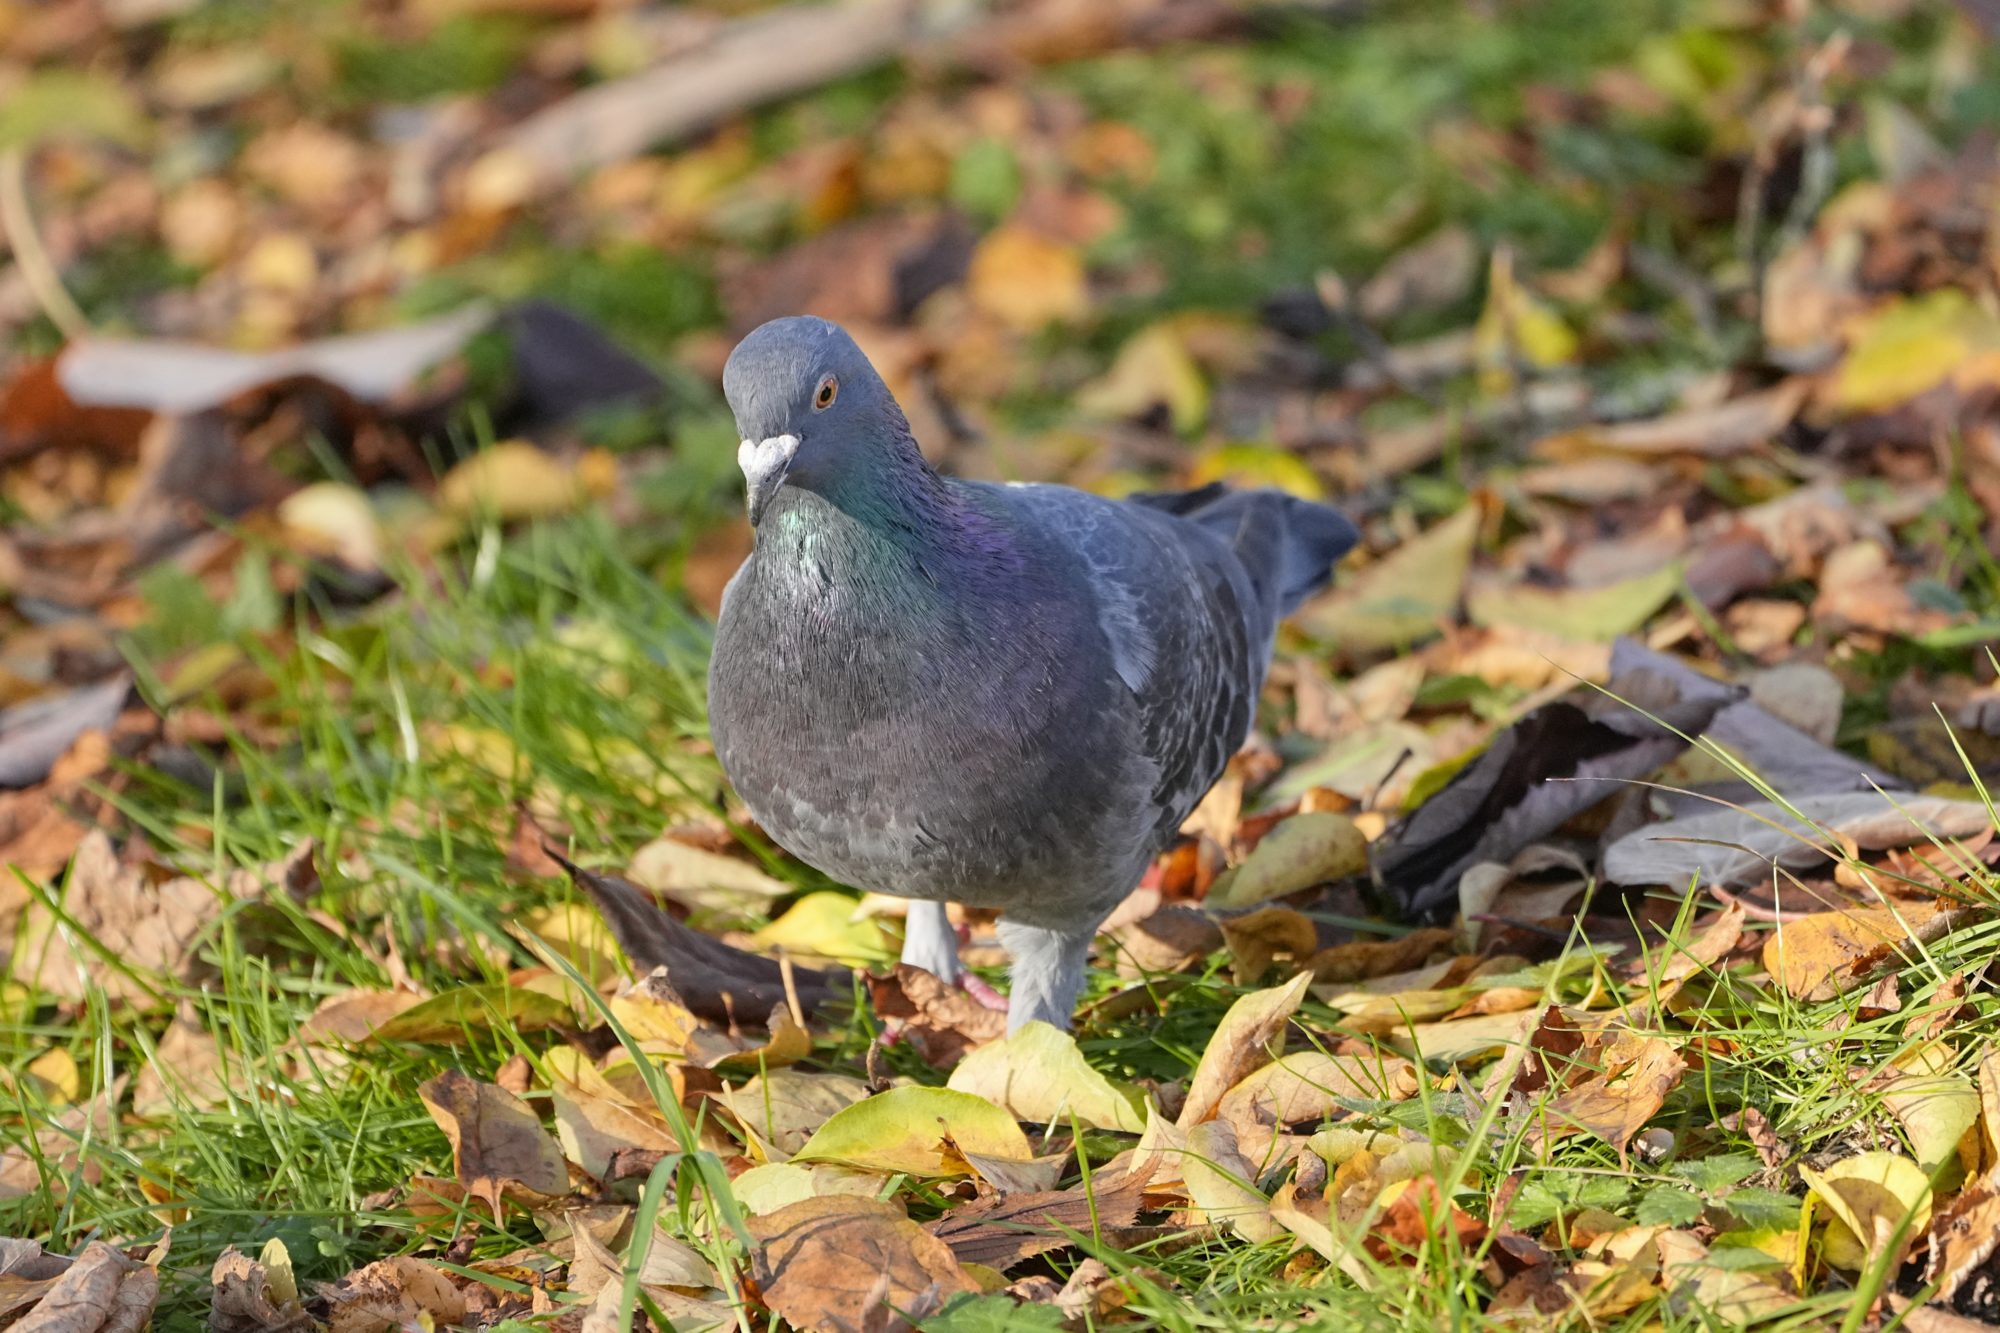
[[1289, 545]]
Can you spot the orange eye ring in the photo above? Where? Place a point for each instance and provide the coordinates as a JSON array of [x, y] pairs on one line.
[[829, 389]]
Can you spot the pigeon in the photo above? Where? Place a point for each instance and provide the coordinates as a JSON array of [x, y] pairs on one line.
[[1003, 695]]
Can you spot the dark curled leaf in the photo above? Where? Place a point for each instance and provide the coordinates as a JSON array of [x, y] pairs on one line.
[[1506, 799], [1002, 1231], [567, 366], [713, 980], [33, 735]]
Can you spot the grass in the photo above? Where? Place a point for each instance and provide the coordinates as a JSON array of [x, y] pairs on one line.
[[556, 676]]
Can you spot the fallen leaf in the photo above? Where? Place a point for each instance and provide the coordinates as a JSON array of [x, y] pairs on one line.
[[1629, 1088], [1819, 956], [1221, 1184], [1026, 280], [510, 480], [1404, 597], [1737, 848], [34, 734], [178, 378], [102, 1291], [246, 1299], [1256, 939], [703, 880], [1040, 1076], [1001, 1231], [941, 1021], [825, 925], [1593, 613], [851, 1263], [786, 1107], [921, 1131], [1302, 851], [401, 1291], [1152, 370], [1308, 1087], [1873, 1197], [498, 1145], [1731, 1295], [1240, 1043]]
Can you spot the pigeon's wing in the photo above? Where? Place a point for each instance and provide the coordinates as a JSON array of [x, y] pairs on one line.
[[1187, 633]]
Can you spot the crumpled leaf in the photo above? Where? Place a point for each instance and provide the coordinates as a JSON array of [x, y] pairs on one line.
[[1040, 1076], [1257, 939], [939, 1020], [1871, 1195], [101, 1291], [247, 1298], [498, 1145], [920, 1131], [1634, 1077], [1816, 957], [842, 1262], [1001, 1231], [401, 1291], [1307, 849]]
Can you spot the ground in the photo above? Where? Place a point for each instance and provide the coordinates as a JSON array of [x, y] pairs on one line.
[[1595, 931]]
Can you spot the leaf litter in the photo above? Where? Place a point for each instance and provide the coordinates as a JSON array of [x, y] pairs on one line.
[[1653, 701]]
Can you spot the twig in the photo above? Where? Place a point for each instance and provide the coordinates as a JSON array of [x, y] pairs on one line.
[[38, 270]]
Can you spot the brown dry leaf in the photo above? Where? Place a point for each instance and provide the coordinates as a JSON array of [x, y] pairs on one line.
[[247, 1300], [354, 1016], [1818, 956], [186, 1070], [1026, 280], [1002, 1231], [1308, 1087], [1364, 960], [1860, 588], [1636, 1074], [786, 1043], [498, 1145], [850, 1263], [101, 1292], [939, 1020], [398, 1292], [1415, 1216], [1240, 1044], [147, 927], [668, 1262], [1733, 426], [1258, 939]]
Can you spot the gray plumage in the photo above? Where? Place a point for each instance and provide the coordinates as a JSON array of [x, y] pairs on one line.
[[1005, 696]]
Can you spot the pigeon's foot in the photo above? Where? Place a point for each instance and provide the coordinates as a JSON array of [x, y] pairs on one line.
[[931, 942], [1047, 970], [975, 985]]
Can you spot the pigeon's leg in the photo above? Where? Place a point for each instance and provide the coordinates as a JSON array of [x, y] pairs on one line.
[[1047, 971], [930, 942]]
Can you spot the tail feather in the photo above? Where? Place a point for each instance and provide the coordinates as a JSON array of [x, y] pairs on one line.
[[1289, 545]]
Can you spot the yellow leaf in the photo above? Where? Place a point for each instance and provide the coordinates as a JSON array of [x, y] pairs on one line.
[[1910, 346], [1242, 1042], [1515, 327], [1026, 280], [1404, 596], [824, 925], [1305, 850], [1152, 369], [1248, 466], [1871, 1195], [1039, 1074], [917, 1131], [512, 479], [1593, 614]]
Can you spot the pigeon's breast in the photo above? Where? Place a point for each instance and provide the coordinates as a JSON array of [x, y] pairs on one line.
[[948, 747]]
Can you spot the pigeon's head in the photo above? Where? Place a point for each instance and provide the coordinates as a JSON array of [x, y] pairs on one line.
[[807, 405]]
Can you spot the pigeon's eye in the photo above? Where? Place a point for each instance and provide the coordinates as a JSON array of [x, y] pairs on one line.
[[829, 389]]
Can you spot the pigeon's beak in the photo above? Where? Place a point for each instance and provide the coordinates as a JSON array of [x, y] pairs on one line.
[[764, 464]]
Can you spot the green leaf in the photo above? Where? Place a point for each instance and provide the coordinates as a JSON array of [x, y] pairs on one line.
[[1404, 596], [1762, 1209], [904, 1129], [471, 1009], [66, 104], [1667, 1207], [991, 1313], [1590, 614]]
